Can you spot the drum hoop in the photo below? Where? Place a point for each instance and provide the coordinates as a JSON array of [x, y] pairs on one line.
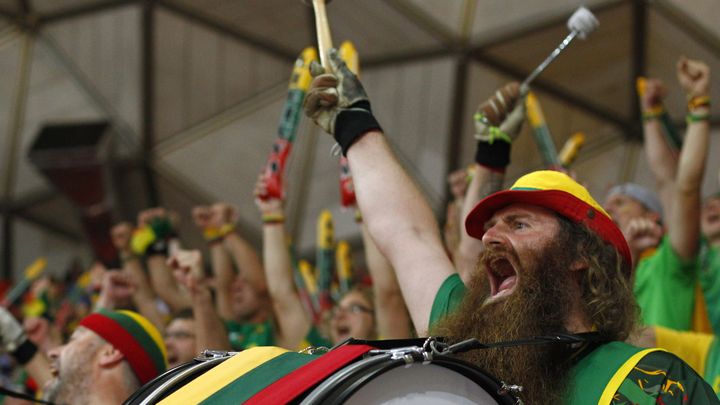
[[318, 394], [329, 393], [158, 392]]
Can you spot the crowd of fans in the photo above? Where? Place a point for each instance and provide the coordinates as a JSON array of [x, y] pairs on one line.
[[642, 268]]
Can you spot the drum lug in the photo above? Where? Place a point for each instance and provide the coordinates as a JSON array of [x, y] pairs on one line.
[[513, 389], [207, 355], [314, 350], [408, 354]]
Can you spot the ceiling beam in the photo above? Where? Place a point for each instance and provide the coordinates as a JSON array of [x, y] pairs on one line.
[[457, 109], [148, 98], [440, 51], [576, 101], [639, 59], [52, 227], [10, 14], [28, 201], [82, 10], [252, 40], [17, 117], [426, 22], [408, 57], [25, 7]]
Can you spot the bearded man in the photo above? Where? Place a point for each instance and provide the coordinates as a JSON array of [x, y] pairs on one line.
[[554, 262]]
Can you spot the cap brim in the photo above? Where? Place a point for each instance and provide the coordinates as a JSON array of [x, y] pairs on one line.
[[561, 202]]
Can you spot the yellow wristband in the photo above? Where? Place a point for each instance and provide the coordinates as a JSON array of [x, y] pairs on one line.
[[698, 101], [273, 218], [653, 112], [213, 234]]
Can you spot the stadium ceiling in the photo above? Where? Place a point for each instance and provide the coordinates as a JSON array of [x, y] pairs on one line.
[[193, 91]]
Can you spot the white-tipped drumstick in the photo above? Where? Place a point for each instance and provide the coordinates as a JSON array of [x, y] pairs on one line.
[[580, 24]]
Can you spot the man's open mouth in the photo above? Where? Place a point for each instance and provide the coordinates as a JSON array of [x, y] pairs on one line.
[[502, 276]]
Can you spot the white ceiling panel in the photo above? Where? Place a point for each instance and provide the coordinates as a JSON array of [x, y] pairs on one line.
[[201, 73], [413, 102], [10, 66], [704, 13], [375, 26], [32, 242], [224, 164], [450, 14], [667, 43], [105, 49], [53, 98], [46, 211], [285, 23]]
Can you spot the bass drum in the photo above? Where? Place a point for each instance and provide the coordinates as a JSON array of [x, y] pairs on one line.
[[348, 374], [385, 380]]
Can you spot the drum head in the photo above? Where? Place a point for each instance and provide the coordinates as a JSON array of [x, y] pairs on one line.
[[421, 384], [384, 381]]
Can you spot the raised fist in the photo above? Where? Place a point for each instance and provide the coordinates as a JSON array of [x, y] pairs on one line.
[[653, 95], [694, 77]]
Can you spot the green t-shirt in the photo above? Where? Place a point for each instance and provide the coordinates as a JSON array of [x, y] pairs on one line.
[[246, 335], [709, 278], [712, 366], [665, 288], [659, 377]]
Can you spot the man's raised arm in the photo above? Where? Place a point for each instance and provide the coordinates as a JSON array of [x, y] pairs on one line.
[[684, 218], [394, 209]]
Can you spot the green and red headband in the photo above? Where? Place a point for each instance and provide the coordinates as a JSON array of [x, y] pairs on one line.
[[135, 337]]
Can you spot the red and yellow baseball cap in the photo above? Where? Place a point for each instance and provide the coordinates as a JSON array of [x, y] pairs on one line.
[[555, 191]]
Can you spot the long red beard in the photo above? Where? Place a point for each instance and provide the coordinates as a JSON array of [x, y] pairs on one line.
[[540, 305]]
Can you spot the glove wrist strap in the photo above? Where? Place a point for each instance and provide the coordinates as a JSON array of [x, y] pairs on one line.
[[25, 352], [495, 156], [354, 122]]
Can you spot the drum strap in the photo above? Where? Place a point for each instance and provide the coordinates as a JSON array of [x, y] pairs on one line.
[[597, 377], [14, 394], [297, 382]]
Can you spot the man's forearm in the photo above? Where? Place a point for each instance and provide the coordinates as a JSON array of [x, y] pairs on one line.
[[401, 223], [684, 221]]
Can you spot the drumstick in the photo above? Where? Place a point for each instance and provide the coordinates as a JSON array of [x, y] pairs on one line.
[[580, 24], [323, 33]]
